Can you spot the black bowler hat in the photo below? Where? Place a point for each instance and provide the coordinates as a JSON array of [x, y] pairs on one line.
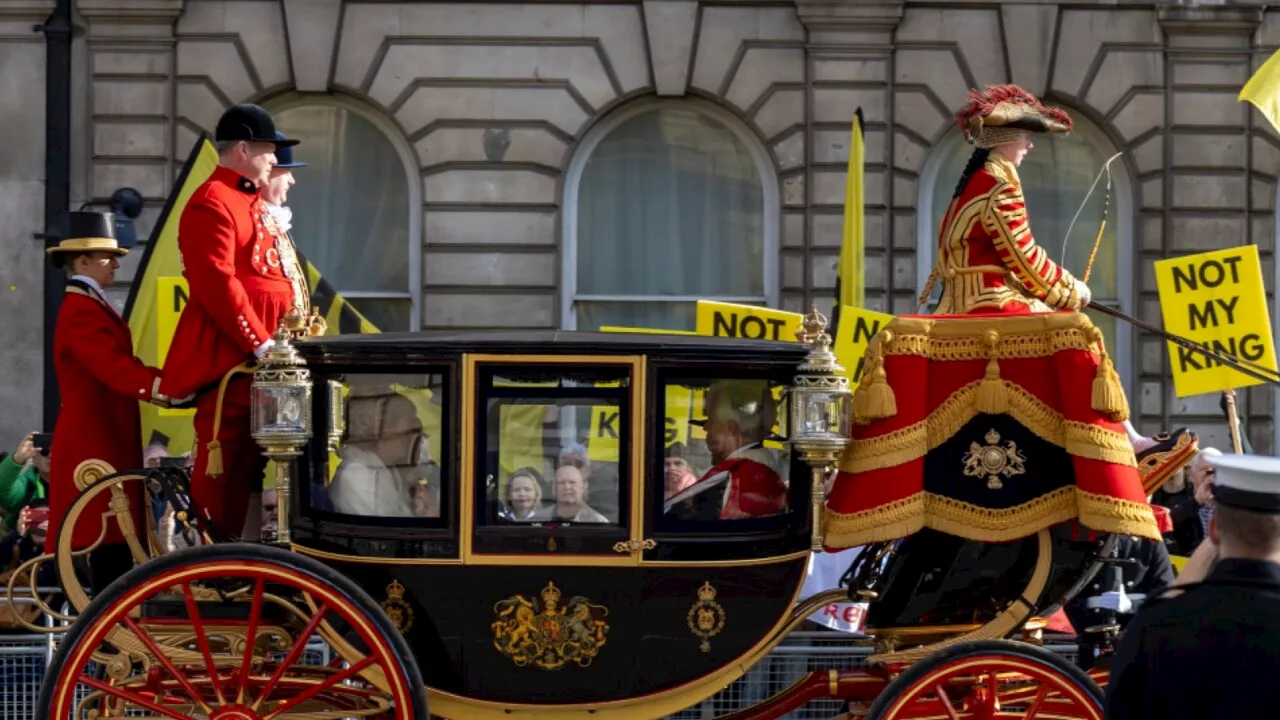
[[284, 155], [88, 232], [251, 123]]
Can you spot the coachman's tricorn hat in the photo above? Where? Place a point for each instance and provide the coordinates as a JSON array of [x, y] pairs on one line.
[[251, 123], [997, 115], [1248, 482], [88, 232]]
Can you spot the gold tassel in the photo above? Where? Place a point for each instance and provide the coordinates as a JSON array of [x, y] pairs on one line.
[[215, 459], [1108, 394], [875, 400], [993, 396]]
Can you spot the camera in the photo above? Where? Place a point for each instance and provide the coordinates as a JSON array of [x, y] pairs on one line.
[[42, 442]]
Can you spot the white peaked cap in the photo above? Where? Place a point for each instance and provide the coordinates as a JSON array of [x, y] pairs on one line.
[[1249, 482]]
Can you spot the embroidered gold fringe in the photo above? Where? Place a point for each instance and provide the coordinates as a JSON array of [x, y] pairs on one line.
[[909, 515], [916, 440]]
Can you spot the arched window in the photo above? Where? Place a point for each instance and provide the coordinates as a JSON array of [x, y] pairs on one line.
[[667, 202], [357, 206], [1056, 176]]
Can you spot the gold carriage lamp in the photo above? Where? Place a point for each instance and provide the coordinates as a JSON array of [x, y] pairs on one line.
[[816, 421], [280, 416]]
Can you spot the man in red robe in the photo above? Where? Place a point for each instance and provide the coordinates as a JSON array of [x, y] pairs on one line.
[[235, 260], [744, 481], [101, 383]]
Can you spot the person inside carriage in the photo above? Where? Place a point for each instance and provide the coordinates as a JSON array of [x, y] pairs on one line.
[[1000, 415], [745, 479]]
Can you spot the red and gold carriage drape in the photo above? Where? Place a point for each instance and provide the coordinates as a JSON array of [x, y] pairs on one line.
[[988, 427]]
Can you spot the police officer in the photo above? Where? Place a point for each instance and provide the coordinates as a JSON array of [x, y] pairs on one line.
[[1210, 647]]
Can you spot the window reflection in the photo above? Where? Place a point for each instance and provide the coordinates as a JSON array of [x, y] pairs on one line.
[[722, 456], [554, 449], [385, 465]]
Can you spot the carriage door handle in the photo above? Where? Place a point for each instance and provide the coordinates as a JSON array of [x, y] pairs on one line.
[[630, 546]]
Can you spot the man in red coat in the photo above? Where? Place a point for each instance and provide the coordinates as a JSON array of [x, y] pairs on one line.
[[744, 481], [101, 383], [236, 262]]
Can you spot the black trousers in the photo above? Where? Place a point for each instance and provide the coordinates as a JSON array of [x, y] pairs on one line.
[[107, 563]]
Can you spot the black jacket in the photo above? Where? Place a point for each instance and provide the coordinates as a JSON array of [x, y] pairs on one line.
[[1211, 653]]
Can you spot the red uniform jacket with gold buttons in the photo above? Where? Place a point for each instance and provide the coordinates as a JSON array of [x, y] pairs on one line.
[[101, 382], [238, 288], [988, 259]]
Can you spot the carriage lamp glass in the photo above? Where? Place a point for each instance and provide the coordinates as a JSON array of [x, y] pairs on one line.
[[280, 416], [818, 403]]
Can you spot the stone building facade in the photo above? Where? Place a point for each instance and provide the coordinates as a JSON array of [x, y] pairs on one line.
[[494, 112]]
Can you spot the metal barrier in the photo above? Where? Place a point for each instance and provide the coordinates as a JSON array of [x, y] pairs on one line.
[[24, 657]]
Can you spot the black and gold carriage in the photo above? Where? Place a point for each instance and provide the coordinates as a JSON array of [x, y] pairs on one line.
[[435, 557]]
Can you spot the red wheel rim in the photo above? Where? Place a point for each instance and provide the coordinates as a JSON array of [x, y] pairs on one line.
[[991, 686], [274, 688]]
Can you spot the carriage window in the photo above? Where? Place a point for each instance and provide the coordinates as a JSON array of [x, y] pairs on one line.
[[555, 448], [722, 455], [388, 459]]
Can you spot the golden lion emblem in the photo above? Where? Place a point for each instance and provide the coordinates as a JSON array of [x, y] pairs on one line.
[[546, 635]]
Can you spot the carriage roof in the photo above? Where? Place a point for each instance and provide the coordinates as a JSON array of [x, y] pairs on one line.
[[436, 343]]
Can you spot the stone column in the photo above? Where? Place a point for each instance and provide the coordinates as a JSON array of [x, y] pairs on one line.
[[850, 66], [1211, 197], [22, 55], [131, 67]]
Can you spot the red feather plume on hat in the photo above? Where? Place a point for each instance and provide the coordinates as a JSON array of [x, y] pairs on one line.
[[1010, 106]]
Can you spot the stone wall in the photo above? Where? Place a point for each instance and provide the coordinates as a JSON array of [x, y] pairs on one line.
[[1160, 82], [22, 84]]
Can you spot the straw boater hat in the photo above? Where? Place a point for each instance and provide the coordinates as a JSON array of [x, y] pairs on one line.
[[88, 232], [996, 116]]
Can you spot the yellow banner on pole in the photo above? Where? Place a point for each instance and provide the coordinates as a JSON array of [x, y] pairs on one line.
[[171, 298], [854, 332], [1216, 299]]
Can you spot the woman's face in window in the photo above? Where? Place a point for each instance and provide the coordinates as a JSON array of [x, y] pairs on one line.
[[522, 494]]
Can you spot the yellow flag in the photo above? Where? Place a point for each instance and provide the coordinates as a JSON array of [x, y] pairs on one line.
[[850, 283], [1263, 90]]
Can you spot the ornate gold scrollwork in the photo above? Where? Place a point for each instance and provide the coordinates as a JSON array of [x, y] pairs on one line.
[[399, 611], [706, 618], [994, 461], [630, 546], [546, 635]]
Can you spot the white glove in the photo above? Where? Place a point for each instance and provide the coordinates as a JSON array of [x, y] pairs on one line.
[[1083, 291], [262, 350]]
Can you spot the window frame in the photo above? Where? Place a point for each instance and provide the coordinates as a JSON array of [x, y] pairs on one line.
[[413, 179], [370, 538], [1121, 216], [771, 195], [682, 541]]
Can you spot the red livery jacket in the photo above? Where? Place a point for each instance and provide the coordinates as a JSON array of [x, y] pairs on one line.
[[237, 279], [101, 382], [988, 259], [752, 486]]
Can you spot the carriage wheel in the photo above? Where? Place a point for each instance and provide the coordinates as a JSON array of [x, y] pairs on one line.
[[989, 679], [220, 632]]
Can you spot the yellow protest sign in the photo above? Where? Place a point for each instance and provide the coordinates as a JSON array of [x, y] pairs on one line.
[[171, 298], [1216, 299], [854, 332], [644, 331], [746, 321]]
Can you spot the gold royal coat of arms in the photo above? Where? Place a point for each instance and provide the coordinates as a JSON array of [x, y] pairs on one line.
[[547, 635]]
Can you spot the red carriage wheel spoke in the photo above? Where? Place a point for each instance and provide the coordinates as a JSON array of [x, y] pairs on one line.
[[294, 653], [312, 692], [132, 697], [198, 626], [164, 660], [255, 611], [1034, 708], [945, 702]]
